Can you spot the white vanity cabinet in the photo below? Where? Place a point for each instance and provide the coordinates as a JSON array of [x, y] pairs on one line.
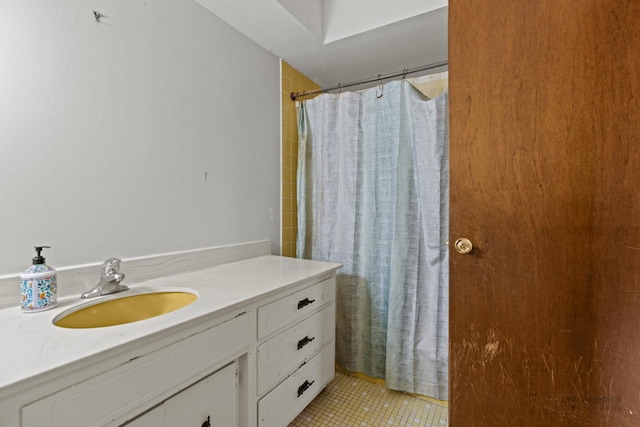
[[118, 396], [296, 351], [212, 401], [252, 351]]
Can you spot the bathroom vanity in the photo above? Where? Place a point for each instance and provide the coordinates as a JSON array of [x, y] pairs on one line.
[[253, 350]]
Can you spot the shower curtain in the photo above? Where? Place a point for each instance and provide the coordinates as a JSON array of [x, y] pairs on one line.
[[373, 195]]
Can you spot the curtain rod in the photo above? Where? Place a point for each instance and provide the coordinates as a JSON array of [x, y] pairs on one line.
[[295, 95]]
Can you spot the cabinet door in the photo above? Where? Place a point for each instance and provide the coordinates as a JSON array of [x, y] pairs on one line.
[[214, 397]]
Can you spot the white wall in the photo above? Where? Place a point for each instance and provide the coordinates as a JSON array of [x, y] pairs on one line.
[[310, 13], [108, 130], [345, 18]]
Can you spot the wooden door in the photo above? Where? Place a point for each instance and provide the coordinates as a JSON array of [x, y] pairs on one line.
[[545, 182]]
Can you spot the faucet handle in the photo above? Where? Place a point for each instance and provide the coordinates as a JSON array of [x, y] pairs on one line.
[[111, 266]]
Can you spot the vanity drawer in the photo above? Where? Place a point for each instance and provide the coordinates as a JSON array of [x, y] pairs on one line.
[[294, 307], [284, 353], [116, 394], [285, 402]]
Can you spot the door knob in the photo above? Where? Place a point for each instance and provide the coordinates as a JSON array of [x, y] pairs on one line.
[[463, 246]]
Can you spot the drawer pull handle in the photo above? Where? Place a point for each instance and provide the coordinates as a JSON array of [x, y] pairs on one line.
[[304, 341], [304, 387], [305, 302]]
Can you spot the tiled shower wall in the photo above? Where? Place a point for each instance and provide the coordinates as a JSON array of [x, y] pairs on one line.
[[292, 81]]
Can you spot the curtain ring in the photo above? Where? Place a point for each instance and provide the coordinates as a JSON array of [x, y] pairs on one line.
[[381, 89]]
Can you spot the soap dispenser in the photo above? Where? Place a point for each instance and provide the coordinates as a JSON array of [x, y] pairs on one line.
[[38, 285]]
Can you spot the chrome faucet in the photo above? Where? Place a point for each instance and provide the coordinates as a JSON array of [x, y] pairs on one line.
[[109, 280]]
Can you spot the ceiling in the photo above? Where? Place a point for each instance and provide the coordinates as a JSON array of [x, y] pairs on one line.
[[338, 41]]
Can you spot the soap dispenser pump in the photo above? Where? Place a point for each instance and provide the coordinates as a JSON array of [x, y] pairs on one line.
[[38, 285]]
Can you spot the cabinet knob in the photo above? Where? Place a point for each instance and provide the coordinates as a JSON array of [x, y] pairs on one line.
[[304, 341], [304, 387], [207, 423], [305, 302]]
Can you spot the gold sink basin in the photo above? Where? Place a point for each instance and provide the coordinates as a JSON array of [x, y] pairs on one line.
[[125, 309]]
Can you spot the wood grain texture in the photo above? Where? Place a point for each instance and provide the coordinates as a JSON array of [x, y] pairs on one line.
[[544, 127]]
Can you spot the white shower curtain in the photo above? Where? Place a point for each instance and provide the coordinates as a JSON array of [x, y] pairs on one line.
[[373, 195]]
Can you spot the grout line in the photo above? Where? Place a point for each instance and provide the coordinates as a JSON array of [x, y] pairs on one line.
[[353, 401]]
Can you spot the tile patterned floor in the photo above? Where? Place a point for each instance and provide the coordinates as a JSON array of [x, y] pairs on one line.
[[353, 402]]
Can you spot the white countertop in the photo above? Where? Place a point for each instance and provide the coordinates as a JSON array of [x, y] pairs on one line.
[[31, 347]]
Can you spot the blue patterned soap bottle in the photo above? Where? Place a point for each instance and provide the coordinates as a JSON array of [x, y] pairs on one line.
[[38, 285]]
